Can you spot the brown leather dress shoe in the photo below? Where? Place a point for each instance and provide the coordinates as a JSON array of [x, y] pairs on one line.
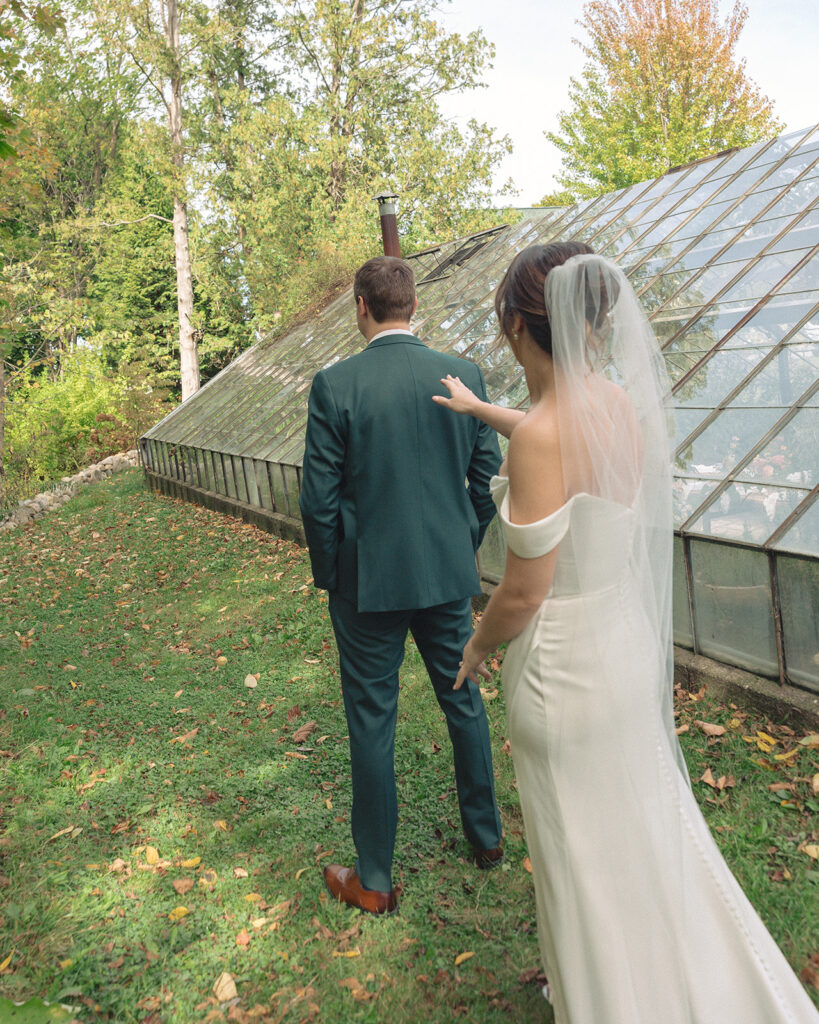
[[488, 859], [345, 886]]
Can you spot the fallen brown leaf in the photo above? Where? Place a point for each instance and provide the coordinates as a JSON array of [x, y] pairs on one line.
[[709, 728], [303, 731], [188, 736], [224, 988]]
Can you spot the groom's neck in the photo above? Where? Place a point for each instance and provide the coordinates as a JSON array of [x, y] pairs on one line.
[[371, 327]]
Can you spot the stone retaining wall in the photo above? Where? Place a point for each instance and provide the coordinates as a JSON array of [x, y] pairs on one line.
[[33, 508]]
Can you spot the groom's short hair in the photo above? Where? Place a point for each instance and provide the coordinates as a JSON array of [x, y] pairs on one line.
[[387, 285]]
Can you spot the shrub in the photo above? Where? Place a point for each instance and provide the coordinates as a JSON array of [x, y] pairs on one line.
[[58, 422]]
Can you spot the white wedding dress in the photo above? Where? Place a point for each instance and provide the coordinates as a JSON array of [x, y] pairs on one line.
[[639, 919]]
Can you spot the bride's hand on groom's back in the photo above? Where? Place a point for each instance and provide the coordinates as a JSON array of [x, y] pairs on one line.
[[460, 399]]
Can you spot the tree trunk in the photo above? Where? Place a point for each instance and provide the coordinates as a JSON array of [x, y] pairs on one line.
[[188, 355]]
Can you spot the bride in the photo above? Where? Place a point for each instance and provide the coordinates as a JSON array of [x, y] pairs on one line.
[[639, 919]]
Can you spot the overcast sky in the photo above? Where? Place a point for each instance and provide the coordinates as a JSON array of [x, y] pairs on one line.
[[535, 58]]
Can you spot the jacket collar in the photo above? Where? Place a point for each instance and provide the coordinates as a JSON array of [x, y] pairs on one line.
[[395, 339]]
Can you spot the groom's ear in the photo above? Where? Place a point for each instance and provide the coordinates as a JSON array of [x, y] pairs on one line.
[[361, 306], [414, 307]]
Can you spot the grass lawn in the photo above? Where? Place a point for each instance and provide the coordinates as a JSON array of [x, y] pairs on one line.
[[174, 773]]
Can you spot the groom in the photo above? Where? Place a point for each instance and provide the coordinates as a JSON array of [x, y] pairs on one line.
[[395, 501]]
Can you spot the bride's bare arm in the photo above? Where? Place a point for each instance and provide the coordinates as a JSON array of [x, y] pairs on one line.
[[536, 490], [462, 400]]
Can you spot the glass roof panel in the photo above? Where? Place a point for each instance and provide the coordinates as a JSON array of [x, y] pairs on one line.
[[718, 376], [801, 236], [678, 364], [757, 280], [789, 458], [784, 379], [725, 442], [803, 536], [806, 278], [708, 246], [774, 320], [747, 513], [689, 493], [696, 173]]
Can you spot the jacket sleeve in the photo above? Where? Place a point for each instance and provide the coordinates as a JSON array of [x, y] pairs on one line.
[[484, 464], [322, 471]]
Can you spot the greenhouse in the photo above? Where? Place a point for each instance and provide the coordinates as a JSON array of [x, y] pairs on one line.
[[724, 253]]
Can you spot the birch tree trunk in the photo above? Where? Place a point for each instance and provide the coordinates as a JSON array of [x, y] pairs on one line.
[[188, 355]]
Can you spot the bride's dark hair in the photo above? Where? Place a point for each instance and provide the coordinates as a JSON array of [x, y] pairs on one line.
[[521, 290]]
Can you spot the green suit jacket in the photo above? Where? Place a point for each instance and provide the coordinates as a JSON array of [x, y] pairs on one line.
[[395, 488]]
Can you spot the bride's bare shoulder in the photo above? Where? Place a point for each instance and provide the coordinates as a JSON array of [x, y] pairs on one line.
[[535, 441], [534, 467], [538, 427]]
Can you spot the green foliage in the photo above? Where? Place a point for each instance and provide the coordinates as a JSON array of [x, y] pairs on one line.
[[280, 159], [360, 114], [662, 86], [130, 293], [17, 16], [50, 416], [73, 413], [34, 1011]]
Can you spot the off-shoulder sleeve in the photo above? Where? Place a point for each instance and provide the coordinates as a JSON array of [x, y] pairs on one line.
[[529, 540]]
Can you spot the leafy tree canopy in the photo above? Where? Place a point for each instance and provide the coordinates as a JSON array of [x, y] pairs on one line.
[[662, 86]]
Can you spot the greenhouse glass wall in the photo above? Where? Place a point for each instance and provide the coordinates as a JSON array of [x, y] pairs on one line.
[[724, 254]]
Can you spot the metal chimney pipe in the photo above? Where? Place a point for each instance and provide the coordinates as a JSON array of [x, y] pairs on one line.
[[387, 202]]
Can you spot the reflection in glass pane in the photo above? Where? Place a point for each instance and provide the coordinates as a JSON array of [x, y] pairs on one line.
[[253, 496], [726, 441], [802, 537], [291, 486], [218, 473], [263, 484], [515, 393], [784, 379], [678, 364], [230, 482], [689, 493], [733, 611], [805, 279], [798, 586], [774, 320], [276, 477], [748, 512], [718, 376], [683, 633], [686, 422], [706, 331], [789, 459], [801, 236]]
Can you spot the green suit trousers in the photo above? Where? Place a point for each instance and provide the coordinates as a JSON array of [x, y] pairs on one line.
[[371, 650]]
